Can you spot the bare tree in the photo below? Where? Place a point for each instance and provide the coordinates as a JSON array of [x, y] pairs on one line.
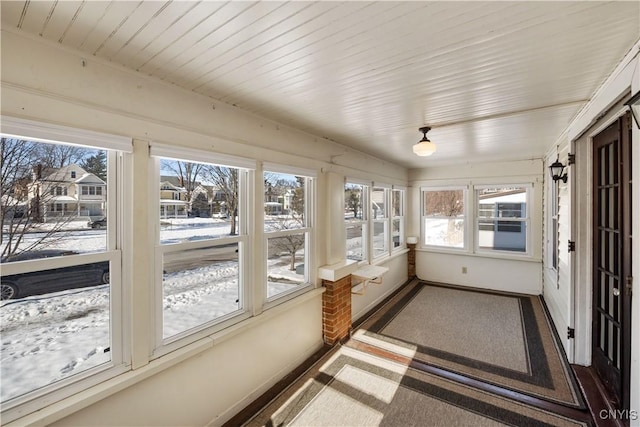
[[58, 155], [353, 200], [297, 201], [288, 243], [21, 172], [188, 173], [447, 203], [225, 180]]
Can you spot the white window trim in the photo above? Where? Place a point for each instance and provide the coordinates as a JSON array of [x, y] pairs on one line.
[[119, 347], [288, 169], [466, 245], [161, 345], [194, 155], [401, 218], [551, 243], [309, 230], [385, 220], [527, 220], [552, 213], [364, 222], [14, 127]]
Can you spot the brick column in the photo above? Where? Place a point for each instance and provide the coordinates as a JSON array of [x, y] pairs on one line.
[[411, 258], [336, 310]]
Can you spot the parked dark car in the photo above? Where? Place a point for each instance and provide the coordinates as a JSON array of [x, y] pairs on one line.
[[52, 280], [97, 223]]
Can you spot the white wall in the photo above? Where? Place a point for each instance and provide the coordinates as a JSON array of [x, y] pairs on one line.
[[489, 271], [482, 272], [222, 373], [374, 293], [214, 385]]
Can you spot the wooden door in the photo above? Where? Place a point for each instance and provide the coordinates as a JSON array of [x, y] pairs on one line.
[[611, 340]]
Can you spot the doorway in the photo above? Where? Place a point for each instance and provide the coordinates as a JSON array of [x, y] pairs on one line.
[[611, 331]]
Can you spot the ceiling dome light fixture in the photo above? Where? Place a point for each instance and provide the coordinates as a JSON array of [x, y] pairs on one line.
[[424, 147]]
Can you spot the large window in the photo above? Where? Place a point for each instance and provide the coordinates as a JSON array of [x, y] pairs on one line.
[[60, 279], [199, 256], [443, 217], [380, 221], [502, 218], [288, 220], [355, 202], [397, 218], [375, 232]]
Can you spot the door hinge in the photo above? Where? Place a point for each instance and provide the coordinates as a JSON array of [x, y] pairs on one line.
[[628, 286], [571, 159], [571, 333], [572, 246]]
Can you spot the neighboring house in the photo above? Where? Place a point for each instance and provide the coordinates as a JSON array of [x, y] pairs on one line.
[[10, 207], [272, 204], [65, 192], [173, 201], [202, 201], [207, 200], [500, 225], [288, 200]]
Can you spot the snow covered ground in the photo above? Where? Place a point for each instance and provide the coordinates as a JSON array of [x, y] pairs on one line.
[[50, 337]]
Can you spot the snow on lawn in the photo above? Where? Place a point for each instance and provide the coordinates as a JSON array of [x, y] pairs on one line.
[[50, 337]]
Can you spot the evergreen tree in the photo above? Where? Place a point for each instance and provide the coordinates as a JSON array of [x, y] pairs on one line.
[[96, 164]]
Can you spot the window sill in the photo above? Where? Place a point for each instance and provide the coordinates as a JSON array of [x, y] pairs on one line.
[[91, 395], [501, 255], [394, 254]]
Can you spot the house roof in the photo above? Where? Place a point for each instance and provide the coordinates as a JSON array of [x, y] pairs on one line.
[[60, 174], [171, 186], [89, 178]]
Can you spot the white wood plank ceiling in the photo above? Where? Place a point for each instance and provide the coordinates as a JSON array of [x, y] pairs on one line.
[[495, 80]]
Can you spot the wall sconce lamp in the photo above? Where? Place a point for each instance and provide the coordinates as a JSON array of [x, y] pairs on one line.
[[556, 168], [634, 104], [424, 147]]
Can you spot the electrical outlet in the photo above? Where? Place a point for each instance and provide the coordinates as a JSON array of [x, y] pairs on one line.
[[464, 270]]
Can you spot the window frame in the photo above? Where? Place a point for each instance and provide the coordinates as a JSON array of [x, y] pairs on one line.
[[401, 218], [246, 173], [526, 219], [385, 221], [465, 217], [119, 151], [364, 222], [309, 231]]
